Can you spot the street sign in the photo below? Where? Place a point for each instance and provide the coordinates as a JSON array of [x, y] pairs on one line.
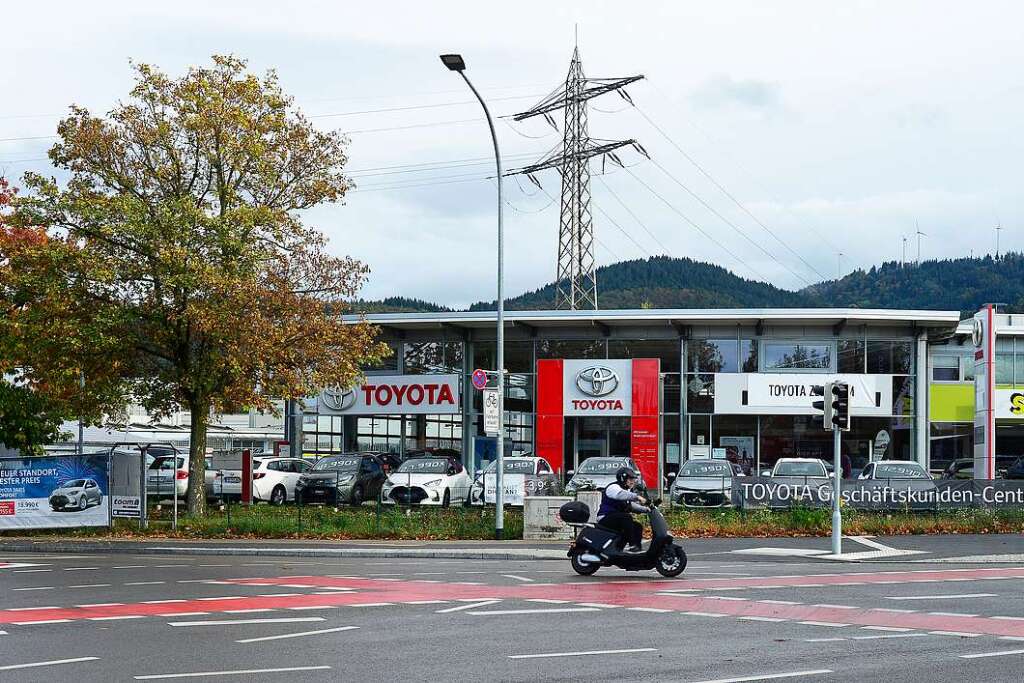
[[479, 378], [490, 412]]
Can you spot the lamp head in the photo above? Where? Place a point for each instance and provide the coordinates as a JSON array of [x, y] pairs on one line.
[[454, 62]]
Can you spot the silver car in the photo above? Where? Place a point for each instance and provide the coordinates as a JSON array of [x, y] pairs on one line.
[[538, 477], [76, 494], [594, 474], [704, 483]]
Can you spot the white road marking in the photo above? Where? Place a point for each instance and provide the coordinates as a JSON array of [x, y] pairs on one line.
[[831, 624], [80, 569], [231, 622], [993, 654], [517, 578], [161, 602], [601, 605], [891, 635], [41, 621], [52, 662], [242, 672], [649, 609], [30, 571], [547, 600], [485, 603], [130, 566], [26, 609], [894, 629], [951, 614], [769, 677], [557, 610], [248, 611], [704, 614], [942, 597], [372, 604], [134, 616], [101, 604], [309, 607], [297, 635], [37, 588], [91, 585], [145, 583], [583, 654], [773, 620], [959, 634]]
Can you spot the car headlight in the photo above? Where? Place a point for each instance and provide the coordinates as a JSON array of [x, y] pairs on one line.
[[433, 482], [345, 480]]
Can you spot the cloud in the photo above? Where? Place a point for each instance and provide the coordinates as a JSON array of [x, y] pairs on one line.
[[725, 91]]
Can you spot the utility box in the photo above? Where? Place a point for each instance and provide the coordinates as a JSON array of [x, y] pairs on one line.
[[593, 501], [541, 521]]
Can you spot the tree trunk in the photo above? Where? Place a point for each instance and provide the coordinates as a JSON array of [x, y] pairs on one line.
[[196, 495]]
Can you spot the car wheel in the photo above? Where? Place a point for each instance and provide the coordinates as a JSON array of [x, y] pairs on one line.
[[278, 496], [357, 496], [583, 568], [447, 500], [672, 562], [83, 503]]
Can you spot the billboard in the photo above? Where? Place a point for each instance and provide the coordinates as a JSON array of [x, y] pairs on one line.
[[392, 395], [54, 491]]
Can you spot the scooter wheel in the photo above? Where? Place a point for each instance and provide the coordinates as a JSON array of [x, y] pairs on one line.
[[672, 562], [583, 568]]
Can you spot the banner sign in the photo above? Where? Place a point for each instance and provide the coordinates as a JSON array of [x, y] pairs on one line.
[[514, 486], [598, 387], [126, 506], [54, 492], [392, 395], [766, 393], [753, 493]]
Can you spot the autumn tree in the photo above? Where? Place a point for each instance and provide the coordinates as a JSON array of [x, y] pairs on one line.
[[178, 248]]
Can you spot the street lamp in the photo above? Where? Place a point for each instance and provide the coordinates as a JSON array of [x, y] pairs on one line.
[[456, 63]]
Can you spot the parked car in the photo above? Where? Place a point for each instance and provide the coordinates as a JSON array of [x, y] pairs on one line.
[[705, 483], [274, 479], [807, 480], [349, 478], [597, 472], [428, 480], [963, 468], [894, 469], [167, 476], [76, 494], [538, 478], [389, 461], [1016, 470]]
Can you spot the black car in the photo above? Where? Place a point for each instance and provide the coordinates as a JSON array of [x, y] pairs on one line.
[[1016, 470], [348, 478], [389, 461], [963, 468]]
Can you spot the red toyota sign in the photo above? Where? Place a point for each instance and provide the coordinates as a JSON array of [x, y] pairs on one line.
[[394, 395]]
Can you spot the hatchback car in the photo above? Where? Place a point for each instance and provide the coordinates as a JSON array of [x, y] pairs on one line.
[[428, 480], [274, 479], [704, 483], [76, 494], [167, 476], [349, 478], [594, 474], [538, 478]]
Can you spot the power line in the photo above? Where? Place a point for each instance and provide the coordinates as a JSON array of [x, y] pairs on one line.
[[729, 222], [635, 217], [726, 192], [697, 227], [415, 107]]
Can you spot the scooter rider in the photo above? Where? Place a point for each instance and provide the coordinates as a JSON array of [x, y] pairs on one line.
[[618, 501]]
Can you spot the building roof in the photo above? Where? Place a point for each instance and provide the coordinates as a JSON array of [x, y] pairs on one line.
[[672, 316]]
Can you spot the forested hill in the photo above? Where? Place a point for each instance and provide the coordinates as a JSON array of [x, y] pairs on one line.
[[662, 282], [952, 284]]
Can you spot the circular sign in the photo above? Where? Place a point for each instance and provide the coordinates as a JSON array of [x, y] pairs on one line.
[[597, 381], [479, 378], [977, 332]]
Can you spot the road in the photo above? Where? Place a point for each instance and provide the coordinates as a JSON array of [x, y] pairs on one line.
[[756, 614]]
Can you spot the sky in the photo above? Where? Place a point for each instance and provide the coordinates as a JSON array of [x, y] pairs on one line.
[[790, 142]]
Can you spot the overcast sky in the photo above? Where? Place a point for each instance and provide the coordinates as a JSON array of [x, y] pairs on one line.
[[839, 126]]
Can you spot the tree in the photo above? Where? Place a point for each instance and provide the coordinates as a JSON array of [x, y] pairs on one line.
[[178, 246]]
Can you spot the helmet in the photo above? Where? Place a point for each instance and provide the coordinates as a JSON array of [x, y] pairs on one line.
[[622, 474]]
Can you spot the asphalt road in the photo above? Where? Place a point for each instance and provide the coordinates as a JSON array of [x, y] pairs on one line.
[[731, 617]]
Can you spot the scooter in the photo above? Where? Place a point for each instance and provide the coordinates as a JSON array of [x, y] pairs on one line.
[[594, 547]]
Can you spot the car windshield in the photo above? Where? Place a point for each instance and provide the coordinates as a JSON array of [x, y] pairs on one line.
[[908, 471], [799, 469], [705, 469], [428, 465], [73, 484], [343, 464], [167, 463], [513, 466], [602, 466]]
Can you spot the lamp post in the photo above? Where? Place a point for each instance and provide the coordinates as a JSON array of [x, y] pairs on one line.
[[457, 64]]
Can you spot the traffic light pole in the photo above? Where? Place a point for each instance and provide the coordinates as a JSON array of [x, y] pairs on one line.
[[837, 478]]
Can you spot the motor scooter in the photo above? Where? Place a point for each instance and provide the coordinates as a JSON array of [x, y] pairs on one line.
[[594, 547]]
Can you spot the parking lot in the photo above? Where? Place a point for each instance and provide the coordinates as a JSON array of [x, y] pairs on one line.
[[733, 616]]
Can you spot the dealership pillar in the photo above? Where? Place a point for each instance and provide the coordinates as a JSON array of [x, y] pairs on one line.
[[921, 440]]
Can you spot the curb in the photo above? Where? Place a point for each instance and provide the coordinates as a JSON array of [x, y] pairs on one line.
[[420, 553]]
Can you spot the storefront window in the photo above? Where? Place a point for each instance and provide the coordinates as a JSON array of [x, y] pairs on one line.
[[671, 391], [700, 393], [1004, 368], [950, 441], [850, 356], [748, 355], [570, 348], [431, 358], [700, 431], [945, 368], [518, 393], [737, 434], [518, 356], [389, 362], [712, 355], [902, 395], [797, 356], [665, 350], [890, 357]]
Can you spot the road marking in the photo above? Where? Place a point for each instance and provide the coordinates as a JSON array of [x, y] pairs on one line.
[[557, 610], [30, 571], [951, 614], [891, 635], [942, 597], [130, 566], [101, 604], [231, 622], [242, 672], [831, 624], [959, 634], [993, 654], [91, 585], [704, 614], [517, 578], [161, 602], [768, 677], [80, 569], [26, 609], [52, 662], [895, 629], [297, 635], [37, 588], [485, 603], [145, 583], [584, 654], [41, 621], [248, 611], [546, 600], [133, 616], [656, 610]]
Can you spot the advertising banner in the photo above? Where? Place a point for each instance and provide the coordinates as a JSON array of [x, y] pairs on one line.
[[126, 506], [766, 393], [392, 395], [598, 387], [513, 484], [54, 491]]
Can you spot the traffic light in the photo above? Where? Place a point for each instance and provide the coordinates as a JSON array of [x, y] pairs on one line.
[[824, 406], [840, 405]]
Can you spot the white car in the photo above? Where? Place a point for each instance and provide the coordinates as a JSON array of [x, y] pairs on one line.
[[76, 494], [274, 479], [171, 472], [428, 480]]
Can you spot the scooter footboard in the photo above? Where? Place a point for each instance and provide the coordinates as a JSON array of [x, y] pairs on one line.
[[596, 539]]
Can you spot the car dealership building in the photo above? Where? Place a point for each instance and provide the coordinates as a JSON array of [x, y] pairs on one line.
[[660, 385]]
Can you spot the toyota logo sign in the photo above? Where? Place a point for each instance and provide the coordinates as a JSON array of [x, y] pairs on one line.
[[338, 399], [597, 380]]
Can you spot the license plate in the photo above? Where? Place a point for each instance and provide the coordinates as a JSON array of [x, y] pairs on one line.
[[232, 480]]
